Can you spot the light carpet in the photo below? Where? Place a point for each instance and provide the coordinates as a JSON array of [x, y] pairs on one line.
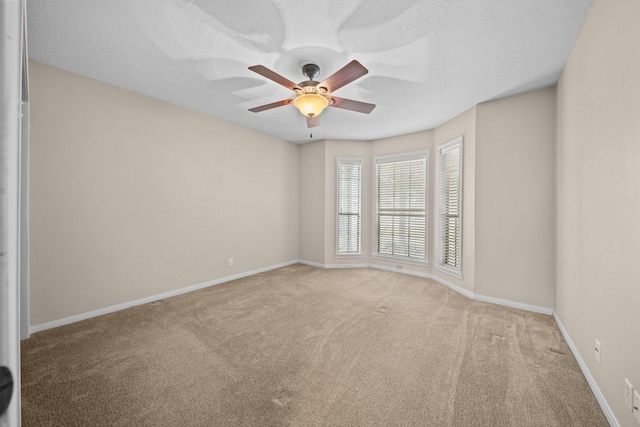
[[303, 346]]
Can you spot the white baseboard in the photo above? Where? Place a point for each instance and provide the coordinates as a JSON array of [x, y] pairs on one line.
[[608, 413], [513, 304], [460, 290], [146, 300], [456, 288], [346, 266], [492, 300], [401, 271], [366, 265], [176, 292], [330, 266], [311, 263]]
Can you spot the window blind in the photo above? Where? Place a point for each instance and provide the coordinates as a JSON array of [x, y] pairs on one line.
[[450, 211], [401, 191], [349, 204]]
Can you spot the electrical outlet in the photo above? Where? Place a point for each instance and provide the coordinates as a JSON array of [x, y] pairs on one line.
[[230, 262], [597, 351], [628, 394], [636, 406]]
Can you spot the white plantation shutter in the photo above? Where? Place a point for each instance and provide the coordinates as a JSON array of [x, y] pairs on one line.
[[349, 182], [450, 205], [401, 206]]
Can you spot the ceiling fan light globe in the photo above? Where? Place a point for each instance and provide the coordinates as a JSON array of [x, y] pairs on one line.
[[310, 104]]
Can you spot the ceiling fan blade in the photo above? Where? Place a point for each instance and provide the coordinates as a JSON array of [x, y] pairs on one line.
[[313, 121], [272, 75], [270, 106], [350, 104], [350, 72]]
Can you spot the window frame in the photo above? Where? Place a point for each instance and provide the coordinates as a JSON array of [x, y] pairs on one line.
[[392, 158], [442, 149], [360, 163]]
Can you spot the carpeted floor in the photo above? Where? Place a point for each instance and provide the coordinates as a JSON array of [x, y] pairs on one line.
[[302, 346]]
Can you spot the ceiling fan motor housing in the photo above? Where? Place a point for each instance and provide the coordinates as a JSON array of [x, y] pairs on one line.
[[311, 71]]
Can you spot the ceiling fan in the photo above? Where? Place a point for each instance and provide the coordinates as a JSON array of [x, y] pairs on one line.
[[311, 96]]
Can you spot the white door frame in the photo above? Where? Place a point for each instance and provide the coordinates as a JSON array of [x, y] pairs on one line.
[[11, 74], [25, 311]]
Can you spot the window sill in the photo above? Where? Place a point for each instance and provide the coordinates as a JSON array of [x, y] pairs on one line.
[[352, 256]]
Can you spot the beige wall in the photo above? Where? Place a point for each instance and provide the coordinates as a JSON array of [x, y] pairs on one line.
[[463, 125], [312, 201], [515, 198], [133, 197], [598, 169]]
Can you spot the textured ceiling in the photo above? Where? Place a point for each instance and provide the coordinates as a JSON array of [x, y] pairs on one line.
[[428, 60]]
